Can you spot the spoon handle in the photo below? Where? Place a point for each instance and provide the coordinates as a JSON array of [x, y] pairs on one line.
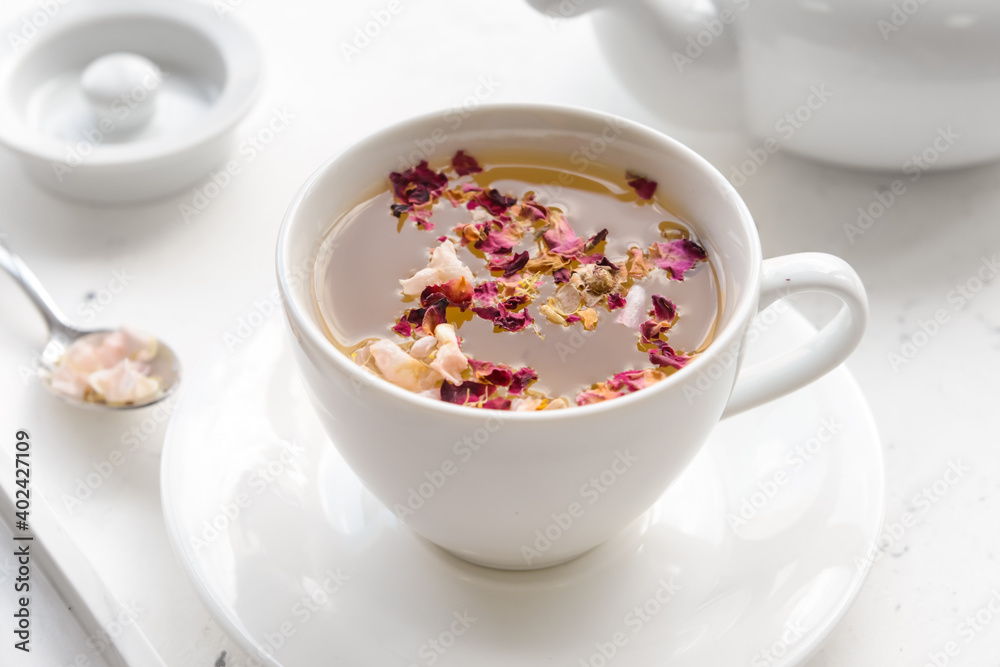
[[54, 318]]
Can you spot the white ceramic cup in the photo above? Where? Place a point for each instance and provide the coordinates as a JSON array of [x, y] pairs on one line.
[[528, 490]]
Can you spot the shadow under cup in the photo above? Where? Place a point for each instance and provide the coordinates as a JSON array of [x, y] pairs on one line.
[[514, 490]]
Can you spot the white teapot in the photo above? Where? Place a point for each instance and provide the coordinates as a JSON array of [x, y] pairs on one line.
[[902, 85]]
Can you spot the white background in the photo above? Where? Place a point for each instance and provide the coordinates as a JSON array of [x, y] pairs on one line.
[[192, 281]]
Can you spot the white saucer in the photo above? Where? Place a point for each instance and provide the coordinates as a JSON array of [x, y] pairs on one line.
[[304, 567]]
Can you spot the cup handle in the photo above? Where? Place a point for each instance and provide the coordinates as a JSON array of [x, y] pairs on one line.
[[794, 274]]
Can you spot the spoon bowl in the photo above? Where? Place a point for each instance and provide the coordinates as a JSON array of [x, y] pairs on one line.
[[62, 334]]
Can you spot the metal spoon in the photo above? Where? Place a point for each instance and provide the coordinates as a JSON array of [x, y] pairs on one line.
[[62, 334]]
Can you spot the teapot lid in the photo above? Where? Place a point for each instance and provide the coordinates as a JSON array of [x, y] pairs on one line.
[[105, 87]]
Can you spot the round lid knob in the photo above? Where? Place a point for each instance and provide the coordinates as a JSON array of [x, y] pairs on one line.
[[121, 89]]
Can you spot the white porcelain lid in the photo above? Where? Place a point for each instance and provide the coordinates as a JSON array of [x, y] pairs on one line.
[[126, 83]]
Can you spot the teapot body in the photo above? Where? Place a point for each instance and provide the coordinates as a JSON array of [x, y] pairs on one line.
[[897, 85], [903, 85]]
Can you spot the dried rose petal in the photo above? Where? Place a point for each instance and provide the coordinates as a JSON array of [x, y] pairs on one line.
[[561, 239], [663, 314], [504, 319], [638, 265], [499, 241], [615, 301], [423, 347], [458, 292], [515, 302], [499, 375], [621, 384], [527, 404], [464, 164], [530, 209], [422, 218], [497, 404], [598, 394], [434, 315], [642, 186], [561, 276], [486, 293], [467, 392], [607, 263], [664, 309], [418, 185], [665, 356], [572, 319], [521, 380], [492, 201], [635, 380], [400, 368], [403, 327], [676, 257], [450, 361], [509, 266], [444, 266]]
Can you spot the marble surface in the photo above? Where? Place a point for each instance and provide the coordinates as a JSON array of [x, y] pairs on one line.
[[929, 363]]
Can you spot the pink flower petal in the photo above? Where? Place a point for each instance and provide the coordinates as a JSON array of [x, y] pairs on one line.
[[467, 392], [615, 301], [504, 319], [676, 257], [642, 186], [521, 380], [464, 164], [665, 356]]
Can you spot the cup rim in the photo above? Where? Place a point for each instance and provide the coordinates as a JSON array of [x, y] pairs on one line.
[[724, 339]]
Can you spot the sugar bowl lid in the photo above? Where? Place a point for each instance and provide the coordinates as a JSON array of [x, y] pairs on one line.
[[127, 100]]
